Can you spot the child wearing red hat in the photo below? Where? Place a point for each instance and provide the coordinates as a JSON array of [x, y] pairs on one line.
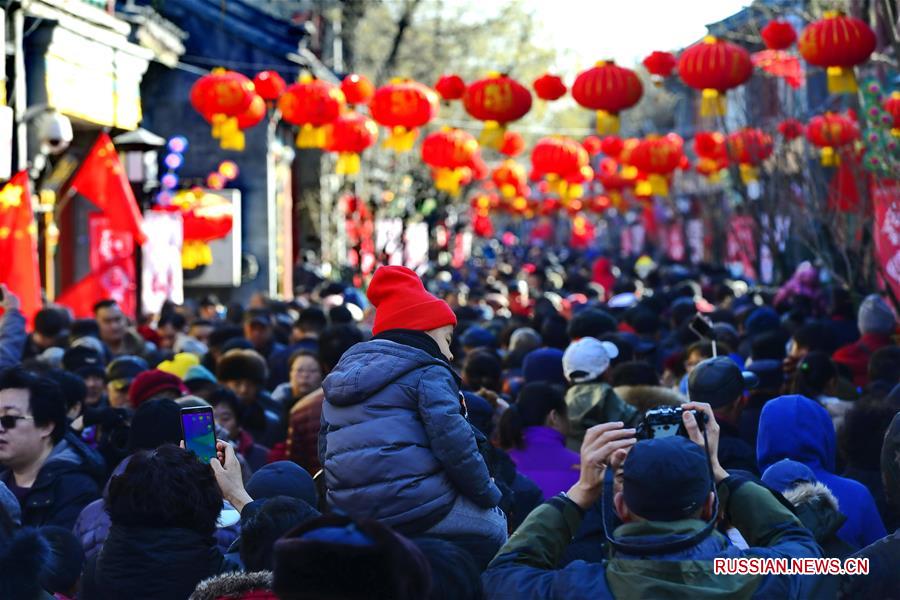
[[394, 443]]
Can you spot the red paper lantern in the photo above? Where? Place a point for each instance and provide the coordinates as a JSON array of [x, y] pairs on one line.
[[612, 146], [450, 152], [714, 66], [511, 179], [608, 89], [831, 132], [269, 84], [312, 104], [549, 87], [563, 162], [837, 43], [349, 135], [220, 98], [710, 144], [205, 217], [892, 106], [497, 100], [657, 157], [791, 129], [778, 35], [403, 105], [749, 147], [660, 65], [592, 144], [450, 87], [357, 89], [513, 144], [255, 113]]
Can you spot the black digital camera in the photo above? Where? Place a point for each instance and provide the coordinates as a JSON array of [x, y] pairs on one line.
[[666, 421]]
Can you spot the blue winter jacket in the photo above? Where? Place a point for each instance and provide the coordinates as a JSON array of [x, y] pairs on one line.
[[394, 444], [798, 428]]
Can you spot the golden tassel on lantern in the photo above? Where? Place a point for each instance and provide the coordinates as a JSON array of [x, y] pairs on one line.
[[572, 191], [712, 103], [643, 188], [508, 190], [195, 254], [401, 139], [749, 173], [659, 185], [841, 80], [492, 135], [217, 120], [311, 136], [230, 135], [629, 172], [347, 164], [830, 158], [448, 180], [607, 123]]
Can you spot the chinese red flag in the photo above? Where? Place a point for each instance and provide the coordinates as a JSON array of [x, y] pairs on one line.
[[101, 179], [113, 280], [18, 245]]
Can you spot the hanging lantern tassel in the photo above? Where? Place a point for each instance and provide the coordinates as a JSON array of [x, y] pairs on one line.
[[347, 164], [659, 185], [401, 139], [572, 191], [713, 103], [230, 135], [607, 123], [195, 254], [830, 158], [448, 180], [749, 173], [841, 80], [217, 120], [492, 135], [311, 136]]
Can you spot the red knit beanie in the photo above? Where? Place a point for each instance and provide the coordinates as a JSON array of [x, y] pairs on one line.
[[149, 383], [401, 302]]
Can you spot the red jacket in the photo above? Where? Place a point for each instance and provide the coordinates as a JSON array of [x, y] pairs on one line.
[[856, 355]]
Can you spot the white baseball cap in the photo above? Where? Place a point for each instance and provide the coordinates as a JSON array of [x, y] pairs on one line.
[[587, 359]]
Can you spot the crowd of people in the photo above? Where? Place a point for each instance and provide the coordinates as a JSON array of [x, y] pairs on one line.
[[533, 425]]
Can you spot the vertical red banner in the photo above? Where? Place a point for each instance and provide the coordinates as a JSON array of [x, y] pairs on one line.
[[886, 198], [111, 258], [742, 246]]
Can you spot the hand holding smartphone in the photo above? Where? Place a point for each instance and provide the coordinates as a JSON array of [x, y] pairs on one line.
[[199, 432]]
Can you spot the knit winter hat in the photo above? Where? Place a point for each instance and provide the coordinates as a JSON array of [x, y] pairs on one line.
[[283, 478], [242, 364], [544, 364], [150, 383], [875, 316], [179, 364], [401, 302], [155, 423]]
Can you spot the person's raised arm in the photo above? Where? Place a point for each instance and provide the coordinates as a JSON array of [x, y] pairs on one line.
[[227, 470], [12, 329]]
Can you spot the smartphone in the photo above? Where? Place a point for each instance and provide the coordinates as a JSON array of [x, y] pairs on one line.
[[702, 327], [199, 431]]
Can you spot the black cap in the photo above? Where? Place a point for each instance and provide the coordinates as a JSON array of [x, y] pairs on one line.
[[666, 479], [124, 369], [258, 316], [719, 382], [83, 361]]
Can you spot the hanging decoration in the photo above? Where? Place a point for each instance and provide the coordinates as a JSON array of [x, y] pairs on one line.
[[564, 163], [882, 146], [778, 35], [614, 182], [513, 144], [357, 89], [837, 43], [831, 133], [450, 87], [791, 129], [612, 146], [349, 135], [403, 105], [497, 100], [269, 85], [660, 65], [780, 64], [656, 157], [311, 104], [205, 217], [712, 154], [549, 87], [593, 145], [220, 98], [254, 114], [608, 89], [450, 153], [714, 66], [749, 147], [892, 107], [511, 179]]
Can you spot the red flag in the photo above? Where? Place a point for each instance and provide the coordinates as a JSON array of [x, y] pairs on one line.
[[18, 245], [101, 179]]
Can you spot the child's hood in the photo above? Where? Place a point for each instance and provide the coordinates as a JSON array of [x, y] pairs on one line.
[[369, 367]]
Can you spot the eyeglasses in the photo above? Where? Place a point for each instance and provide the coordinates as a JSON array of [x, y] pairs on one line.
[[9, 421]]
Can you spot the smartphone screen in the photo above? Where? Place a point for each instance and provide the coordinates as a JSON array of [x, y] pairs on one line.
[[199, 432]]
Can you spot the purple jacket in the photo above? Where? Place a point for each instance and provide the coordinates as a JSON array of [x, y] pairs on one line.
[[546, 460]]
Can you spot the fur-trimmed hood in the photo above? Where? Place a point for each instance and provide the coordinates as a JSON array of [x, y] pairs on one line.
[[235, 585], [646, 397], [810, 493], [817, 508]]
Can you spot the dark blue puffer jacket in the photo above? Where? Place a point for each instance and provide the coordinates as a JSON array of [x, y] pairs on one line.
[[394, 445]]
